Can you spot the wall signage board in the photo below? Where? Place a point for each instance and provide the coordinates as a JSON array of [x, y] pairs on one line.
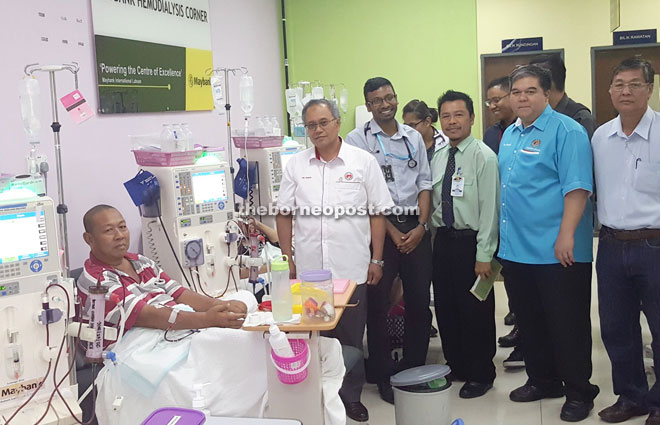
[[152, 55], [635, 37], [522, 44]]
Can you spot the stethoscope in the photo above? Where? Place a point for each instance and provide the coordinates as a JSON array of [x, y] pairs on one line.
[[412, 163]]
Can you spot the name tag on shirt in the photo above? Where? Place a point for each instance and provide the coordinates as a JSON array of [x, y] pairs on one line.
[[457, 186]]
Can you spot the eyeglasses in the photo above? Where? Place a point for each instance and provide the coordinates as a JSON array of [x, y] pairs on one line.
[[312, 126], [634, 86], [390, 98], [414, 124], [494, 101]]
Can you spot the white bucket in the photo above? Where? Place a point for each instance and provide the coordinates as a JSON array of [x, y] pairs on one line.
[[422, 408]]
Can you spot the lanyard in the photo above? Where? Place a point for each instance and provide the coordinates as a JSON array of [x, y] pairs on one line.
[[411, 161]]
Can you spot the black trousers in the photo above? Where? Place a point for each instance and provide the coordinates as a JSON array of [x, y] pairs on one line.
[[350, 332], [552, 305], [415, 272], [467, 325]]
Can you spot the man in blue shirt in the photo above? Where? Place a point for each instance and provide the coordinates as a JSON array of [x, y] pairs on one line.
[[546, 244], [401, 154]]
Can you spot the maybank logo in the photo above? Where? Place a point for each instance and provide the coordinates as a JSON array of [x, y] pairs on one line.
[[16, 390], [199, 82]]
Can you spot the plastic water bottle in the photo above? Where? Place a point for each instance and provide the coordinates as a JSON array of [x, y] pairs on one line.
[[280, 290], [279, 342], [277, 130], [188, 136], [199, 401], [167, 143], [343, 100], [179, 138], [268, 126], [260, 130]]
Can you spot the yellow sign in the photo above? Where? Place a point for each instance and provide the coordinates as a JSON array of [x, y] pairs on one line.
[[198, 85]]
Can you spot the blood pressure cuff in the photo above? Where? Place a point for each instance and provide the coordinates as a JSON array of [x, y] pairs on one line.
[[241, 179]]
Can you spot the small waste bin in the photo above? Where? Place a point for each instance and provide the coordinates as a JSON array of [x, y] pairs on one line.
[[421, 396]]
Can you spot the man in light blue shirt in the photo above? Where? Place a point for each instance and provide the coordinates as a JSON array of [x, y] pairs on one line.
[[546, 244], [627, 163], [401, 154]]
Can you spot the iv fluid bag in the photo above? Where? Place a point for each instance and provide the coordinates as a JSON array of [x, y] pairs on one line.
[[247, 94], [317, 92], [343, 100], [217, 87], [293, 102], [28, 94]]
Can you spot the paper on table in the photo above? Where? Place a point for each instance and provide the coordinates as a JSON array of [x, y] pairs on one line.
[[261, 318], [481, 288]]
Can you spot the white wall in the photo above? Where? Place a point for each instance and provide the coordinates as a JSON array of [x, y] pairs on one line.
[[96, 154]]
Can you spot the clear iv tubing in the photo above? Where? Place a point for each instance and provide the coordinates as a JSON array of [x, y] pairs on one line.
[[247, 160], [254, 253]]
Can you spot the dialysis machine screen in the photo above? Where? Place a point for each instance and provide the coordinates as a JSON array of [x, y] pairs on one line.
[[209, 186], [23, 236]]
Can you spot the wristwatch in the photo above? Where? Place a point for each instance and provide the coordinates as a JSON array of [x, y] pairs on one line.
[[425, 225], [378, 262]]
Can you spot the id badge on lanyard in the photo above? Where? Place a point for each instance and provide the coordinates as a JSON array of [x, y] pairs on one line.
[[387, 172], [458, 184]]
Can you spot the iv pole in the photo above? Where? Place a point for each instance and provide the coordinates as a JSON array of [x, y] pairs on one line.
[[62, 209], [226, 71]]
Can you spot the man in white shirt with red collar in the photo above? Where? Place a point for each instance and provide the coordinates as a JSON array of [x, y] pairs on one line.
[[338, 195]]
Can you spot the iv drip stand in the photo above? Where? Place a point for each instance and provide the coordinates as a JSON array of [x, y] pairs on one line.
[[62, 209], [226, 71]]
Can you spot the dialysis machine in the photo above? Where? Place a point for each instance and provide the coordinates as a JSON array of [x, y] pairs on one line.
[[197, 225], [35, 304], [271, 163]]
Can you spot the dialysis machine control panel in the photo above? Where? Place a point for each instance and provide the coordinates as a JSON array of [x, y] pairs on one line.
[[202, 195], [27, 248], [197, 202], [272, 162]]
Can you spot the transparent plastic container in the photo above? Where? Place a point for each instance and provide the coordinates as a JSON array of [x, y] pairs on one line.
[[318, 299]]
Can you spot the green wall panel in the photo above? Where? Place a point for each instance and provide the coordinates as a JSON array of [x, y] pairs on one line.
[[423, 46]]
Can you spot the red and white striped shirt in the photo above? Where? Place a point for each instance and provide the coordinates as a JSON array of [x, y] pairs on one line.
[[155, 288]]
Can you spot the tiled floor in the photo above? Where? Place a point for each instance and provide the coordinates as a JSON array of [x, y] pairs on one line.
[[495, 408]]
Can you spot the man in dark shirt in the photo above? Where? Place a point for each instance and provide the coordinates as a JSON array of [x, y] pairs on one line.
[[497, 101], [559, 100]]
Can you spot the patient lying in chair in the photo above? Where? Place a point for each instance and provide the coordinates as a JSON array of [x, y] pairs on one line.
[[175, 338]]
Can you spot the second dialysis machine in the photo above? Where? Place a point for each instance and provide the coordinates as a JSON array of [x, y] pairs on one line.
[[197, 216]]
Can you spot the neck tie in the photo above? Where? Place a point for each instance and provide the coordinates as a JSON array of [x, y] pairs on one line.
[[447, 199]]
